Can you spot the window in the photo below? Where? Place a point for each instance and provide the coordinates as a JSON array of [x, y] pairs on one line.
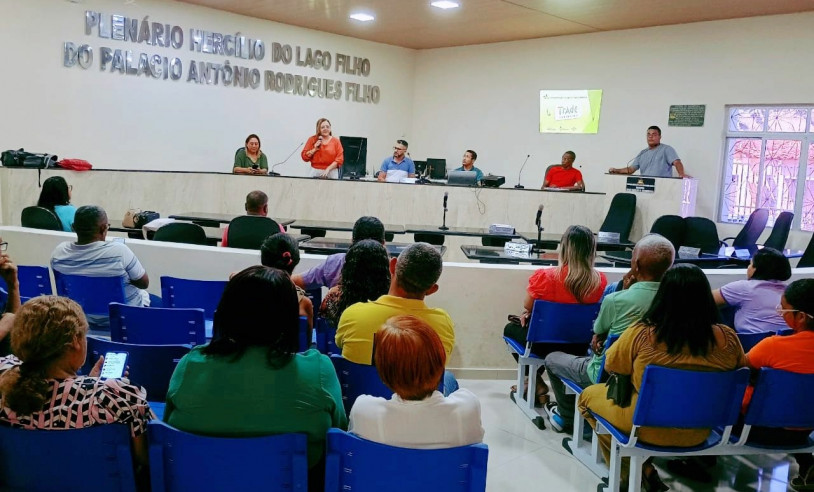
[[769, 163]]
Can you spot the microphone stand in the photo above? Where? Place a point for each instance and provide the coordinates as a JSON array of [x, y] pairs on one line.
[[518, 186], [272, 173], [539, 239], [444, 224]]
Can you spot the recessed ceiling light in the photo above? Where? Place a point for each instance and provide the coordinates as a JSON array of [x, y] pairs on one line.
[[362, 17], [445, 4]]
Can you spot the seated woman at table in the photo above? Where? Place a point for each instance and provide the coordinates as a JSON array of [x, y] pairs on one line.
[[250, 380], [249, 159], [56, 197], [324, 152], [40, 388], [410, 360], [679, 330], [756, 297], [573, 281], [281, 251], [365, 277]]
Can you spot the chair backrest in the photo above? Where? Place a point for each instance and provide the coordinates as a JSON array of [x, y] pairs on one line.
[[552, 322], [780, 231], [94, 294], [547, 169], [702, 233], [156, 326], [807, 260], [102, 451], [782, 399], [494, 241], [249, 231], [40, 218], [181, 232], [356, 464], [669, 398], [180, 461], [672, 227], [239, 149], [326, 337], [187, 293], [620, 215], [434, 239], [151, 366], [302, 334], [752, 229], [357, 379], [34, 281], [749, 340]]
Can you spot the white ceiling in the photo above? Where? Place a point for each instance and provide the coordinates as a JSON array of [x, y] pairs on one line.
[[415, 24]]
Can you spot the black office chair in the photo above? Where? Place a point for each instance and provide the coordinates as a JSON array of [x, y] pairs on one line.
[[494, 241], [181, 232], [702, 233], [434, 239], [672, 227], [313, 232], [807, 260], [620, 217], [40, 218], [780, 231], [752, 229], [249, 231]]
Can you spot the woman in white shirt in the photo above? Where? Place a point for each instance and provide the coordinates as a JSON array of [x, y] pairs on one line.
[[410, 359]]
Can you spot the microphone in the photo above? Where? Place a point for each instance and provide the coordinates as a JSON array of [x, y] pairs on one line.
[[539, 216], [446, 196], [272, 173], [444, 224], [518, 186]]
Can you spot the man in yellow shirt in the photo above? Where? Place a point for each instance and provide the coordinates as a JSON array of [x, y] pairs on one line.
[[413, 276]]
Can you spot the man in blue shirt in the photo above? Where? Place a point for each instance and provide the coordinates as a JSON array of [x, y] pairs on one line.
[[399, 162], [468, 161], [657, 159]]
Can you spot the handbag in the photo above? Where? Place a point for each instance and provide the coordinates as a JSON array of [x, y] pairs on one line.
[[129, 218], [145, 217], [620, 389]]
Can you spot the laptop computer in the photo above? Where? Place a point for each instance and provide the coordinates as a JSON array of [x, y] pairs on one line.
[[462, 178]]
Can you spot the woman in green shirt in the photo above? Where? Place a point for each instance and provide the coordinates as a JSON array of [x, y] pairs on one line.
[[250, 380], [249, 159]]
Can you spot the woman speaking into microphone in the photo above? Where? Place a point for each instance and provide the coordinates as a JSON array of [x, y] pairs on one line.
[[324, 152]]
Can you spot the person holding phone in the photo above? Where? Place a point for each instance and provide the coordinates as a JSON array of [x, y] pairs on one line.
[[40, 388], [324, 152], [249, 159]]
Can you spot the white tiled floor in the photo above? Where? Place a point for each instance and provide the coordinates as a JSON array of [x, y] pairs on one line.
[[524, 458]]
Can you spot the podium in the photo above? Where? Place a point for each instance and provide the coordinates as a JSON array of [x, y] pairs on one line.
[[654, 197]]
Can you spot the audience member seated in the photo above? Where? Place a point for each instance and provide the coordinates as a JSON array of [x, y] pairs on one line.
[[250, 380], [8, 272], [327, 273], [413, 276], [652, 256], [249, 159], [56, 197], [39, 387], [365, 277], [92, 256], [793, 353], [282, 252], [670, 335], [756, 297], [257, 203], [410, 359], [574, 280]]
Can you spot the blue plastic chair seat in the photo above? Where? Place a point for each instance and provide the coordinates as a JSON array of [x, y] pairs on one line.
[[713, 440]]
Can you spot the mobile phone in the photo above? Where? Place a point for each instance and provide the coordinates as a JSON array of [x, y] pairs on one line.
[[255, 166], [114, 365]]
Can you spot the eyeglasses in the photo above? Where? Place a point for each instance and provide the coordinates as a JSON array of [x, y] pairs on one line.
[[781, 311], [399, 148], [3, 246]]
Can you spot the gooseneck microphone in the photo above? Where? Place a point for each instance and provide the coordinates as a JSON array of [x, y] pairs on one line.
[[539, 216], [518, 186], [444, 224], [272, 173], [538, 221]]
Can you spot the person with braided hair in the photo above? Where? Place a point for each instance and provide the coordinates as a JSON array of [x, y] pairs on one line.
[[39, 385], [282, 252]]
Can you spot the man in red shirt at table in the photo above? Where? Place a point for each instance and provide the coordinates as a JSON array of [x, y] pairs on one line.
[[565, 177]]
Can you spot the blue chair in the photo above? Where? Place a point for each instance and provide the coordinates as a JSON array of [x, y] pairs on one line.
[[326, 337], [670, 398], [34, 281], [302, 334], [180, 461], [151, 366], [156, 326], [103, 451], [315, 295], [749, 340], [550, 322], [357, 379], [186, 293], [93, 294], [356, 464]]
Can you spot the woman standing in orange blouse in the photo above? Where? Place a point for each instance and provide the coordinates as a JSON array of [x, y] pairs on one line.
[[324, 152]]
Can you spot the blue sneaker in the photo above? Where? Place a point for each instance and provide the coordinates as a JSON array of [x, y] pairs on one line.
[[553, 411]]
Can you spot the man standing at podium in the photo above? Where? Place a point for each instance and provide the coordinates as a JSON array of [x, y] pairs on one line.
[[656, 160]]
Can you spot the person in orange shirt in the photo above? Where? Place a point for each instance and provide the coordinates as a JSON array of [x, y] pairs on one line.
[[565, 177], [324, 152]]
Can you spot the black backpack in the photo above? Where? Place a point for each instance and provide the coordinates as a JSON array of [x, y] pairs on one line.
[[21, 158]]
